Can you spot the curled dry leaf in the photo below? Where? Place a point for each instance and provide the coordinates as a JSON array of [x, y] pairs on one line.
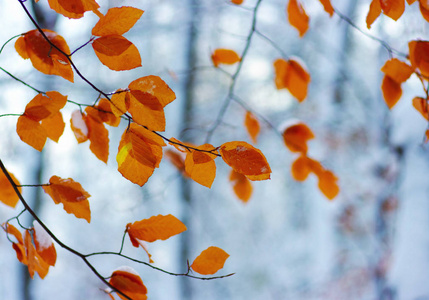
[[43, 56], [241, 185], [128, 281], [246, 159], [71, 194], [8, 195], [296, 137], [224, 56], [297, 16], [210, 261], [139, 153], [155, 228]]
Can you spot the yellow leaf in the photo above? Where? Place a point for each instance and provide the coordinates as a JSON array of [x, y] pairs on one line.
[[210, 261]]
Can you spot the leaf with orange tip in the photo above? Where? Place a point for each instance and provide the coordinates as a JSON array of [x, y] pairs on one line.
[[292, 75], [252, 126], [242, 186], [210, 261], [128, 281], [117, 20], [296, 136], [99, 139], [117, 53], [71, 195], [44, 245], [373, 13], [392, 91], [155, 228], [139, 153], [200, 166], [73, 9], [328, 184], [246, 159], [224, 56], [35, 262], [297, 17], [78, 126], [419, 56], [422, 106], [155, 86], [8, 195], [43, 56], [328, 6], [147, 110]]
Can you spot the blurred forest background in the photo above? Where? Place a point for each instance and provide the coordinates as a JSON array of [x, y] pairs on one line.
[[289, 241]]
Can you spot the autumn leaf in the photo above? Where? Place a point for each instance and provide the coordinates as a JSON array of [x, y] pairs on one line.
[[246, 159], [35, 262], [328, 184], [71, 194], [8, 195], [128, 281], [155, 228], [176, 160], [252, 125], [392, 91], [73, 9], [102, 113], [419, 56], [119, 103], [297, 16], [44, 245], [424, 10], [78, 126], [45, 58], [155, 86], [200, 166], [146, 110], [301, 168], [99, 139], [373, 13], [117, 21], [328, 6], [296, 136], [242, 186], [139, 153], [224, 56], [292, 75], [19, 246], [421, 105], [237, 2], [210, 261], [393, 8]]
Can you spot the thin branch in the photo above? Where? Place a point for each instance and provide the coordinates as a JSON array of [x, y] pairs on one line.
[[9, 40], [23, 82]]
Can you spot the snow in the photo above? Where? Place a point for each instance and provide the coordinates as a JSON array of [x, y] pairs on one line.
[[43, 238]]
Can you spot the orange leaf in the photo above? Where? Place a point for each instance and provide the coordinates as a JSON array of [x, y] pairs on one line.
[[237, 2], [119, 103], [419, 56], [373, 13], [102, 113], [397, 70], [328, 184], [425, 4], [242, 186], [73, 9], [139, 153], [393, 8], [54, 126], [10, 229], [421, 105], [99, 139], [176, 159], [128, 281], [411, 1], [392, 91], [117, 53], [246, 159], [301, 168], [44, 245], [252, 126], [156, 228], [297, 16], [296, 136], [18, 247], [200, 166], [328, 7], [71, 195], [292, 75], [78, 126], [147, 110], [8, 195], [210, 261], [155, 86], [42, 55], [424, 11], [31, 132], [117, 20], [225, 56], [35, 262]]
